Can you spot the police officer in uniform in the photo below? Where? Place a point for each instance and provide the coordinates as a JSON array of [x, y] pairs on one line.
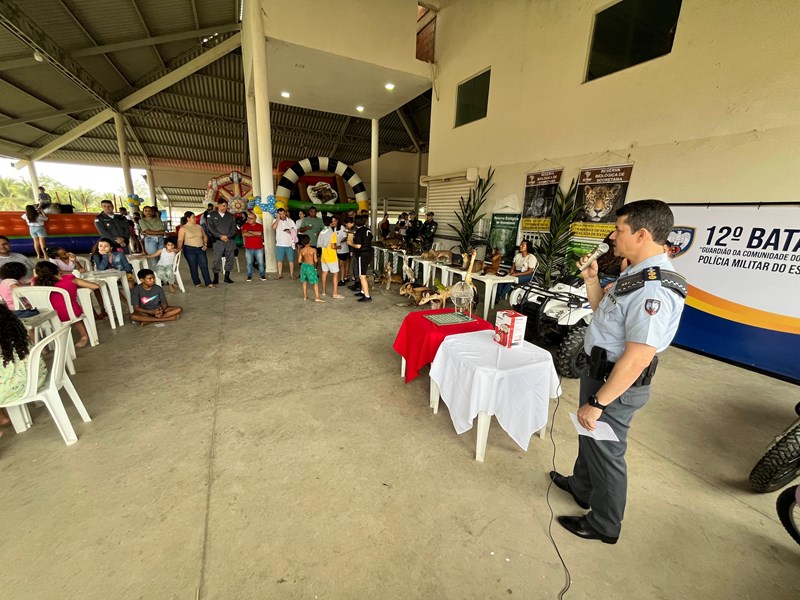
[[428, 231], [633, 322]]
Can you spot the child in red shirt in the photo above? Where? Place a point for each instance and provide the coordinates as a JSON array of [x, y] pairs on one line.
[[253, 234]]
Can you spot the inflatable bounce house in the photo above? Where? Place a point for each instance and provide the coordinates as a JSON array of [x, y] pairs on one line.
[[319, 181], [75, 232]]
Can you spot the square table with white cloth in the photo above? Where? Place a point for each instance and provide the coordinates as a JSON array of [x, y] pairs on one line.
[[476, 376]]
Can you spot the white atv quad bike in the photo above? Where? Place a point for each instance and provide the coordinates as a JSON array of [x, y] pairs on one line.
[[557, 317]]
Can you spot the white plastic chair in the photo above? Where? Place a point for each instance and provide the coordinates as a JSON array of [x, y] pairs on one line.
[[85, 263], [39, 297], [235, 260], [48, 393], [176, 271]]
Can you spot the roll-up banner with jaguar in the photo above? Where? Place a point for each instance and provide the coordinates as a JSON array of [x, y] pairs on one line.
[[601, 191], [742, 263], [540, 195]]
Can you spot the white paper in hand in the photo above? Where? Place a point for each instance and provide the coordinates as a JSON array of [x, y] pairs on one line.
[[602, 431]]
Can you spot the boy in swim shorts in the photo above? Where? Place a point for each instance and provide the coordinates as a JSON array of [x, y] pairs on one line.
[[308, 269]]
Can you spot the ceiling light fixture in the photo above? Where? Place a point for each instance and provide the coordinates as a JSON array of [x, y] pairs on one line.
[[360, 108], [37, 56], [285, 94], [389, 86]]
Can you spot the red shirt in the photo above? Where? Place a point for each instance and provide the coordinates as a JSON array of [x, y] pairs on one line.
[[250, 241]]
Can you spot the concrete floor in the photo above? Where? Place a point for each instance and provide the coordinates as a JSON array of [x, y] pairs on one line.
[[263, 447]]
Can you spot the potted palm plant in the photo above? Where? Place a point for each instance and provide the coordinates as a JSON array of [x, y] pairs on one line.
[[552, 248], [471, 214]]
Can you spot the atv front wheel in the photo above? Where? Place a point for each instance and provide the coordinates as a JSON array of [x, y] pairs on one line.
[[780, 464], [789, 512], [570, 357]]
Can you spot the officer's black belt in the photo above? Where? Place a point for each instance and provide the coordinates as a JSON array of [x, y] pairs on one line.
[[600, 368]]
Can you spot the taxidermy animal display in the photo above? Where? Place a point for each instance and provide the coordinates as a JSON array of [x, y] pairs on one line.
[[494, 263], [475, 266], [414, 293]]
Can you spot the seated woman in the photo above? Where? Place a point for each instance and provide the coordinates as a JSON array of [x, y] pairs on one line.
[[14, 350], [10, 275], [523, 269], [65, 261], [46, 273], [109, 256]]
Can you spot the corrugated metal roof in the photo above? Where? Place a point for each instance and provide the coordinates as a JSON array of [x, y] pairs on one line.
[[197, 123]]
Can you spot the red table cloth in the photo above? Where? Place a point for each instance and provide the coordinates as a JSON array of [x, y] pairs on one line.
[[419, 339]]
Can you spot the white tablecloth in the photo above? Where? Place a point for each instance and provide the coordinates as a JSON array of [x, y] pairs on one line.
[[476, 374]]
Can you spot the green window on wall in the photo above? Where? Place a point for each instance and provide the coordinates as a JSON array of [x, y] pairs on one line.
[[473, 99]]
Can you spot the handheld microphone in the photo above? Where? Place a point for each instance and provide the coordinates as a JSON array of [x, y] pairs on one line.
[[601, 249]]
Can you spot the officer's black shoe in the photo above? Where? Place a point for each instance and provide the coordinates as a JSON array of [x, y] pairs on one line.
[[216, 279], [228, 278], [562, 483], [581, 527]]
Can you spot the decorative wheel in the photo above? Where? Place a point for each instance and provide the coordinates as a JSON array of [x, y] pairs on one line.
[[235, 187]]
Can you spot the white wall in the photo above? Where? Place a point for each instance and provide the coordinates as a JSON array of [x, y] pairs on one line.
[[375, 31], [716, 120], [396, 174]]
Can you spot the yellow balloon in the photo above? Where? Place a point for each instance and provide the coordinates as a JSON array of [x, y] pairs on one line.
[[281, 202], [257, 211], [363, 205]]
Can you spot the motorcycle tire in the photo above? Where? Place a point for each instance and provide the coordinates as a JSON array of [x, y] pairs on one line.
[[571, 360], [780, 464], [789, 512]]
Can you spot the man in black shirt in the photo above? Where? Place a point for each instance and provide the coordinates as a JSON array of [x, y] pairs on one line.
[[413, 227], [362, 255], [428, 231], [112, 226]]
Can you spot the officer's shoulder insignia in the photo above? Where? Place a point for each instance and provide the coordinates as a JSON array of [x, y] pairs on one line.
[[668, 279], [652, 306]]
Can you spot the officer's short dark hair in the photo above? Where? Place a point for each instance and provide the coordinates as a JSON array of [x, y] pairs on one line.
[[106, 202], [653, 215]]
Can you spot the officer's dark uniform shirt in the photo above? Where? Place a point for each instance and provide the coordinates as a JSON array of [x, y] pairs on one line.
[[112, 226], [428, 230], [649, 315]]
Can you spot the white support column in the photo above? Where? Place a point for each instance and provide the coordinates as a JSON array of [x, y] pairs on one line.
[[151, 183], [34, 181], [374, 178], [250, 106], [124, 158], [252, 19]]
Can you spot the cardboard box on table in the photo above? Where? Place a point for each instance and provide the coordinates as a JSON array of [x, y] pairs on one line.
[[509, 328]]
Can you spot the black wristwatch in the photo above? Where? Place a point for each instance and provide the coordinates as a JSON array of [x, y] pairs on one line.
[[593, 401]]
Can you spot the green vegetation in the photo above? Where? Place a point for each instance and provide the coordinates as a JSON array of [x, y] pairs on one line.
[[15, 194], [552, 247]]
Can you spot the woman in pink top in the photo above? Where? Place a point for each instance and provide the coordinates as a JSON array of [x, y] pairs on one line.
[[46, 273]]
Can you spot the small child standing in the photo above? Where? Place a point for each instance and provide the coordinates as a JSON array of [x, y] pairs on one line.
[[150, 303], [308, 267], [327, 242], [165, 265]]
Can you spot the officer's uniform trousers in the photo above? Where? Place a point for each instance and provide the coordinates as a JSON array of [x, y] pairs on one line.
[[600, 475], [225, 249]]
